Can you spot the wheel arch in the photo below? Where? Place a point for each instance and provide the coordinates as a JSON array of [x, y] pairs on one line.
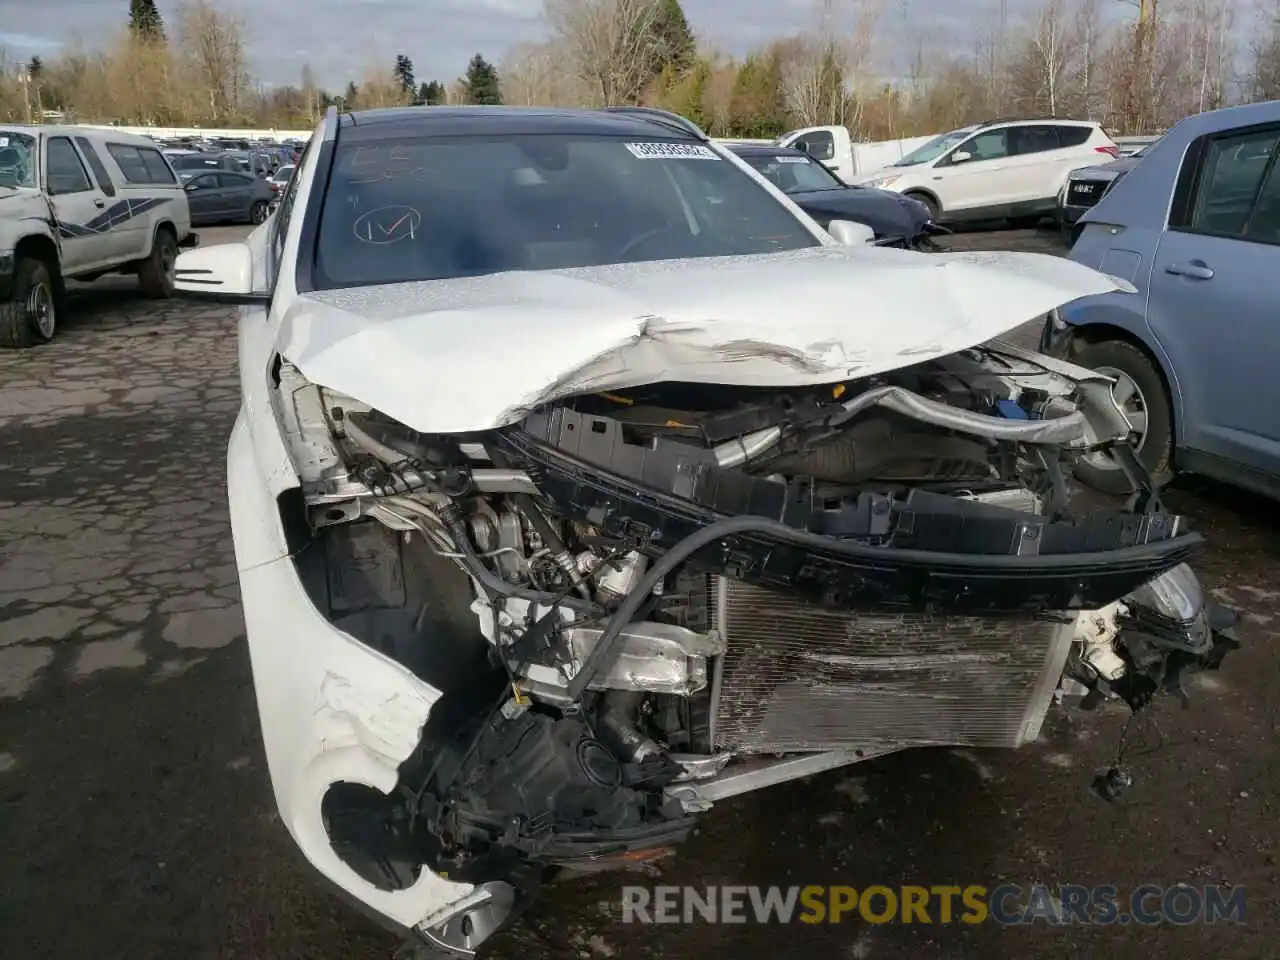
[[1101, 331], [927, 194], [43, 247]]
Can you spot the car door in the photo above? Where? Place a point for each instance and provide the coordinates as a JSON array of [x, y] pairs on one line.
[[1214, 303], [204, 198], [972, 178], [80, 208], [1034, 170], [238, 195]]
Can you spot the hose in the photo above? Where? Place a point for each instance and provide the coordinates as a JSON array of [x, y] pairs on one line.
[[451, 517], [626, 611]]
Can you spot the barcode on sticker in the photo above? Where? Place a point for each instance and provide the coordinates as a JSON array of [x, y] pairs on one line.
[[672, 151], [4, 141], [791, 159]]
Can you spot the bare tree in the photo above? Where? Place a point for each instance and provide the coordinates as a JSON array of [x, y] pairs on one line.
[[1040, 71], [610, 46], [214, 47], [533, 75], [823, 65], [1264, 81]]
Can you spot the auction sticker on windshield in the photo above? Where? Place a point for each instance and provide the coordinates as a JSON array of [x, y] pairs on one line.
[[672, 151], [792, 159]]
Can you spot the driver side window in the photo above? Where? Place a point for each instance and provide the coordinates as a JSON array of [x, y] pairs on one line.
[[986, 145]]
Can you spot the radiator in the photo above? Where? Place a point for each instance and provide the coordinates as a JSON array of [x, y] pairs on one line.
[[796, 677]]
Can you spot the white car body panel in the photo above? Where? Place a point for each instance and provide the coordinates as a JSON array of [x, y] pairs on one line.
[[333, 709], [410, 349]]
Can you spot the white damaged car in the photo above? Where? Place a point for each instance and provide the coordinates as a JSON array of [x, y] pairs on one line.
[[581, 481]]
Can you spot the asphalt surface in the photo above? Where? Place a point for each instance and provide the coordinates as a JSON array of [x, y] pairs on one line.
[[136, 817]]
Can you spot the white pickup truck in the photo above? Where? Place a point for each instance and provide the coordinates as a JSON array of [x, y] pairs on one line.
[[848, 159], [77, 203]]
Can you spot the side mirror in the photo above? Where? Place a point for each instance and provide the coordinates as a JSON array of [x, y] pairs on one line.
[[851, 234], [961, 156], [222, 273]]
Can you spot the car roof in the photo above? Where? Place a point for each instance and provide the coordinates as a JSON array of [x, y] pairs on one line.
[[395, 122], [77, 130]]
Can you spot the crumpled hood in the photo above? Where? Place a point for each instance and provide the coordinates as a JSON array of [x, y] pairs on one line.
[[452, 356]]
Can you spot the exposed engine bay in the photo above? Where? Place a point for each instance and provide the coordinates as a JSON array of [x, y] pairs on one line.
[[637, 604]]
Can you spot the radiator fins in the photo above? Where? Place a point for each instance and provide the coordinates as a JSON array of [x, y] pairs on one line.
[[797, 677]]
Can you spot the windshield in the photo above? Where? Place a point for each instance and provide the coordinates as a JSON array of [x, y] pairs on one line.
[[17, 159], [934, 148], [437, 208], [794, 174], [284, 173]]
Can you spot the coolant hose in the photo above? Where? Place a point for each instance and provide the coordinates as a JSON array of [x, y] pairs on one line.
[[717, 530], [451, 517]]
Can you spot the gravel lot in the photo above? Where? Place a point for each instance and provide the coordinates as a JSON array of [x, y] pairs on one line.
[[136, 818]]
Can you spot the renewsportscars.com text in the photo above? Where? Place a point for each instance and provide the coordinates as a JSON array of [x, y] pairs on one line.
[[1008, 904]]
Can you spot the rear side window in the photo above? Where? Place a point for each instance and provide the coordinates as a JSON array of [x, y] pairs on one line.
[[1038, 139], [96, 164], [1229, 190], [1073, 136], [141, 165], [233, 180], [157, 169]]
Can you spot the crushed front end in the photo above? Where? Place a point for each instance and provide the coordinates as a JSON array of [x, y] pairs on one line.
[[628, 606]]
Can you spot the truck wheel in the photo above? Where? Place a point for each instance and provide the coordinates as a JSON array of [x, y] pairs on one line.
[[30, 316], [156, 273], [1141, 393], [934, 210]]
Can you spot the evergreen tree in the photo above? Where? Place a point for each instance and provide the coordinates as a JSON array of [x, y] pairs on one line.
[[349, 97], [481, 82], [145, 20], [431, 93], [35, 66], [404, 74], [676, 45]]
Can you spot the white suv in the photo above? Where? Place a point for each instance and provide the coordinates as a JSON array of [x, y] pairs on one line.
[[1011, 169], [77, 203]]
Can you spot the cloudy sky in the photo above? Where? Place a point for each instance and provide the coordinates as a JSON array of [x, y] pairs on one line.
[[441, 35]]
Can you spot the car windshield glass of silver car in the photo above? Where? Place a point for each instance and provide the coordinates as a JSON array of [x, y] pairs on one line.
[[794, 174], [17, 159], [436, 208], [934, 148]]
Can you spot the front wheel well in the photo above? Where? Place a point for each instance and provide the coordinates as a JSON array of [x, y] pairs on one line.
[[924, 194], [40, 247], [1104, 332], [167, 227]]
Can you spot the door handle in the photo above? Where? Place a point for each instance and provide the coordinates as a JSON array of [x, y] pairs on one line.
[[99, 203], [1195, 270]]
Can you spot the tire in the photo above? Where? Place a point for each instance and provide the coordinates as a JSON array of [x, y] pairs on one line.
[[1155, 448], [258, 212], [31, 314], [934, 210], [156, 273]]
